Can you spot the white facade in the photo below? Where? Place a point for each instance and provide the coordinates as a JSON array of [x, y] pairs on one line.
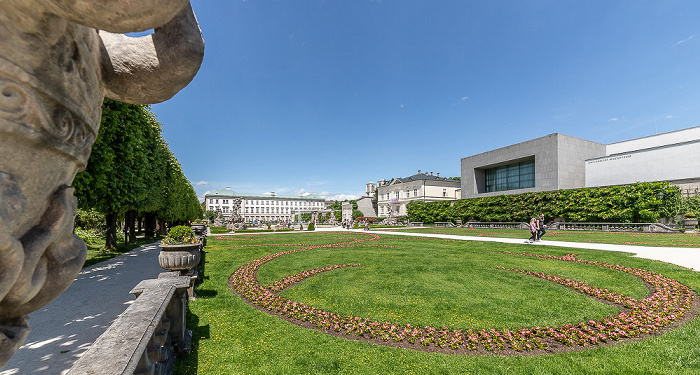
[[264, 207], [672, 156], [395, 195]]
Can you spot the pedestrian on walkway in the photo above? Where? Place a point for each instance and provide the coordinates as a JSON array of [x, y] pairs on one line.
[[540, 227], [533, 230]]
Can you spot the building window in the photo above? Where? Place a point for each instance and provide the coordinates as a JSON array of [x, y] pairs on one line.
[[444, 192], [510, 177], [415, 192]]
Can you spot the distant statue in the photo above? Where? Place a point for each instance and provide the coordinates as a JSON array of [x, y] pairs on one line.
[[55, 70], [235, 221]]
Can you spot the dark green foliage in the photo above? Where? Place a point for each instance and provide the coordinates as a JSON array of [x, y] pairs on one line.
[[356, 213], [311, 227], [132, 170], [624, 204], [89, 219]]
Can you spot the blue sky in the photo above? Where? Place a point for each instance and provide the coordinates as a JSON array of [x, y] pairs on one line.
[[321, 96]]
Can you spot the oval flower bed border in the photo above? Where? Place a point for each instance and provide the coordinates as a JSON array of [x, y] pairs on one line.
[[669, 305]]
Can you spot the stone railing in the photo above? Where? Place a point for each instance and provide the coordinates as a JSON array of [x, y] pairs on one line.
[[146, 337], [444, 224], [599, 227], [495, 225], [415, 224], [614, 227]]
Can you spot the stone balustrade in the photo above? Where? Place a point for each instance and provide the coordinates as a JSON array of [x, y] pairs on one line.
[[614, 227], [496, 225], [580, 226], [444, 224], [415, 224], [147, 336]]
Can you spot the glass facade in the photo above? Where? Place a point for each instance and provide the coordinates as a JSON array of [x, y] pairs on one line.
[[510, 177]]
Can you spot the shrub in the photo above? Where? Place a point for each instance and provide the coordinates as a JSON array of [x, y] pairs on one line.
[[180, 235], [89, 219], [311, 226], [90, 236]]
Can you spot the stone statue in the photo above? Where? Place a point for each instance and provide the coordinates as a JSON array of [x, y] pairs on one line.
[[55, 70], [235, 221]]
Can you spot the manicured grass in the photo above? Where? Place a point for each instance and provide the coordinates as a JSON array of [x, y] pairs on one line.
[[421, 282], [98, 253], [218, 230], [619, 238]]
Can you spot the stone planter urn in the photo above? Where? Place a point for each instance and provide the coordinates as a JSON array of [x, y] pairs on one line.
[[689, 225], [199, 229], [179, 257]]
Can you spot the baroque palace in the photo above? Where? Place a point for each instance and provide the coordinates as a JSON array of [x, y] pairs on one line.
[[263, 207]]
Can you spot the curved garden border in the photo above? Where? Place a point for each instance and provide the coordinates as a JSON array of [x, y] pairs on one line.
[[669, 304]]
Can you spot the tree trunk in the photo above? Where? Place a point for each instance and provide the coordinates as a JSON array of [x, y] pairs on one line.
[[150, 224], [130, 222], [111, 232], [163, 229]]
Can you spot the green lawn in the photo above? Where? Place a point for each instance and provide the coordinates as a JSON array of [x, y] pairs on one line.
[[419, 282], [620, 238]]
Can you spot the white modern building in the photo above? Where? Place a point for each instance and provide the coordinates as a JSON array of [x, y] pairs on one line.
[[559, 161], [263, 207], [394, 195]]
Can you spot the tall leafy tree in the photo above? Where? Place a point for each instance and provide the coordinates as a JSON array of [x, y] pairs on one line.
[[132, 172]]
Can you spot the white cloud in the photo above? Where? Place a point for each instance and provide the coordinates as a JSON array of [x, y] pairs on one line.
[[669, 116], [683, 41], [401, 105], [342, 197], [465, 98], [616, 118], [201, 183]]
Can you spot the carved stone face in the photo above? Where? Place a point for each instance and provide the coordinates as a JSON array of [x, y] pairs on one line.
[[55, 69]]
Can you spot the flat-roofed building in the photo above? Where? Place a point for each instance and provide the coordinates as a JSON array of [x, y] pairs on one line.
[[558, 161]]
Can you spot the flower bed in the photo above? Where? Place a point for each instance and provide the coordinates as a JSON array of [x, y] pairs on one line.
[[668, 303]]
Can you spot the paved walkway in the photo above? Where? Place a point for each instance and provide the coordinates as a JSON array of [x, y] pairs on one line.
[[65, 328]]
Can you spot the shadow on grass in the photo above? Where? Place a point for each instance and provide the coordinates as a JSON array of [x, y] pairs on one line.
[[188, 364]]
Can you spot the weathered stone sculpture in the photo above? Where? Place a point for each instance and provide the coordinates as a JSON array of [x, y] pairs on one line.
[[235, 221], [55, 70]]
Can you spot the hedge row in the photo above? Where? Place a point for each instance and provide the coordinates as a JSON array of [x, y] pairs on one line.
[[637, 203]]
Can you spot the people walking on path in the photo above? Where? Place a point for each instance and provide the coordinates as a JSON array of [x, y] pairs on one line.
[[540, 227], [533, 230]]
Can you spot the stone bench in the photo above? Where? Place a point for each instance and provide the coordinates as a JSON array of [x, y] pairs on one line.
[[145, 337], [415, 224]]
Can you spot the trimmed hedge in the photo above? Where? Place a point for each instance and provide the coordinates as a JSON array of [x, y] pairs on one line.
[[637, 203]]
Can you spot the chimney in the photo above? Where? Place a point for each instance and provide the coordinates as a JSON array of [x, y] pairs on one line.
[[431, 173], [419, 171], [438, 174]]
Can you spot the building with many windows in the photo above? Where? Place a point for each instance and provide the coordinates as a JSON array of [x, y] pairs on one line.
[[559, 161], [264, 207], [394, 195]]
